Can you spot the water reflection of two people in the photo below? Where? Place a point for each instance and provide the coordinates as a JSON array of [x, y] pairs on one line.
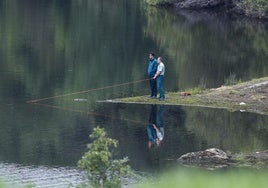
[[155, 129]]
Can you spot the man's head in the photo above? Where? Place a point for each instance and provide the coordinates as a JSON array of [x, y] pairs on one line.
[[151, 55], [159, 59]]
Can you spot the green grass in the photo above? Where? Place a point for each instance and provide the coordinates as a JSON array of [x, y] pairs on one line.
[[195, 90], [209, 179], [175, 98], [211, 98]]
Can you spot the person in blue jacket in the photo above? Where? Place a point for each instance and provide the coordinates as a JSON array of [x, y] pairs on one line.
[[155, 129], [151, 71]]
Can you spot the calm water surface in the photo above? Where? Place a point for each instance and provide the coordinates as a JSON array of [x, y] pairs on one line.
[[50, 48]]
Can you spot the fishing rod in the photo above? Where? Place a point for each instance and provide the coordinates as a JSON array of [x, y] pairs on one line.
[[85, 91]]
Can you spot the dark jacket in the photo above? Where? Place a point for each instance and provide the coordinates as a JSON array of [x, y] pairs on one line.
[[152, 67]]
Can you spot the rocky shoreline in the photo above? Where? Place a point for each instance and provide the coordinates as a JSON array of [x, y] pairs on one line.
[[229, 6], [214, 158]]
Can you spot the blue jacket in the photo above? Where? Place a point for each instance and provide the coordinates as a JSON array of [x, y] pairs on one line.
[[152, 67]]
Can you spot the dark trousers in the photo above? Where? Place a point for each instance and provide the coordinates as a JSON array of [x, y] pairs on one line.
[[153, 86]]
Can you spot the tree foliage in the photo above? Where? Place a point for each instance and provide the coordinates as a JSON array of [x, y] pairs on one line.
[[102, 169]]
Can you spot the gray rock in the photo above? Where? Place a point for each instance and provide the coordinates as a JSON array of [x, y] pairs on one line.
[[258, 156], [234, 7], [199, 4], [215, 158], [209, 156]]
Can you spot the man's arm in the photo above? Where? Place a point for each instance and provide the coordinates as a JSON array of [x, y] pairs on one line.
[[156, 74]]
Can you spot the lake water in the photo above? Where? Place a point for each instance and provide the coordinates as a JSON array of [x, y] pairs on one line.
[[52, 48]]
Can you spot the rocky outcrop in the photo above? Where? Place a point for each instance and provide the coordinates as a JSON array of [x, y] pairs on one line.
[[249, 11], [212, 156], [199, 4], [258, 159], [216, 158], [230, 6]]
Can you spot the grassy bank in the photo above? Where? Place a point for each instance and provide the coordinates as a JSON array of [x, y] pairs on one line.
[[251, 96], [205, 179]]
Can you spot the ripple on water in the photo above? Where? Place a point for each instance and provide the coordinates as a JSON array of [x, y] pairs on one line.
[[40, 176]]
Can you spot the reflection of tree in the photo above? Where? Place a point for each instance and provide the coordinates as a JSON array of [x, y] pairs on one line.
[[232, 131], [31, 135], [54, 47], [209, 46], [70, 45], [27, 45]]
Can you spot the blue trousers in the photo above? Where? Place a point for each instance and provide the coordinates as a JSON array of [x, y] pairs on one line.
[[160, 80], [153, 87]]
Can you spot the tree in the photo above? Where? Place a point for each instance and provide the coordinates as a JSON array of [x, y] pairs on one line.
[[102, 169]]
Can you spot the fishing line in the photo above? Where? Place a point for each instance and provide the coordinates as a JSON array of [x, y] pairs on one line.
[[86, 91], [36, 102]]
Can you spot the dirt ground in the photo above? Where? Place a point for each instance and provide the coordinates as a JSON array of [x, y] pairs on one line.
[[249, 96]]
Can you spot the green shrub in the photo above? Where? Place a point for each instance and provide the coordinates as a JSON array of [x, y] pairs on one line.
[[102, 169]]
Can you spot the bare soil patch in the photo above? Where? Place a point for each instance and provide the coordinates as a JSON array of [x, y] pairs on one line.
[[249, 96]]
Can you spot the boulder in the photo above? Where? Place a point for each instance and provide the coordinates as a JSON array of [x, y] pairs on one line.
[[210, 156], [199, 4]]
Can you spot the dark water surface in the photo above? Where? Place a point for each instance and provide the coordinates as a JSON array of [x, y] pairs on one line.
[[50, 48]]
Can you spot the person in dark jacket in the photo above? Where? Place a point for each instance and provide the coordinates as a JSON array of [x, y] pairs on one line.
[[155, 129], [151, 71]]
